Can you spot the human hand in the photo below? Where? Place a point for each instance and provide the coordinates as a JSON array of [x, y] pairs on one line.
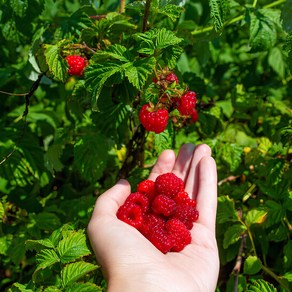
[[130, 262]]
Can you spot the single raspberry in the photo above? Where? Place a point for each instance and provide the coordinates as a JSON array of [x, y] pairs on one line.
[[138, 199], [187, 103], [194, 116], [147, 187], [154, 79], [131, 214], [172, 78], [186, 214], [182, 198], [153, 120], [179, 234], [168, 184], [76, 64], [163, 205], [153, 228]]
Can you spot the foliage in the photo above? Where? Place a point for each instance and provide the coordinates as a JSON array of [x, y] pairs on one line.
[[64, 139]]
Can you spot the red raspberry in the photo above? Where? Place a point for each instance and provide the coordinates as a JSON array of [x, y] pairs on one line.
[[147, 187], [178, 232], [168, 184], [182, 198], [153, 120], [153, 228], [187, 103], [163, 205], [194, 116], [172, 78], [186, 214], [76, 64], [139, 199], [131, 214]]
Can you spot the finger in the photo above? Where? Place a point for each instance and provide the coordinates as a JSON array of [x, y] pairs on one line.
[[164, 164], [109, 202], [192, 181], [207, 193], [183, 161]]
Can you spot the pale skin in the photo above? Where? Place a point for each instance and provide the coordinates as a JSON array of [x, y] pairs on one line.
[[131, 263]]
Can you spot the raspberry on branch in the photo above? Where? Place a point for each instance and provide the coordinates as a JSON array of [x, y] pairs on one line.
[[172, 78], [153, 120], [77, 65], [187, 103], [162, 211]]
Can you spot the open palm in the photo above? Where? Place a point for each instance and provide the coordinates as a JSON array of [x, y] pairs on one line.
[[130, 262]]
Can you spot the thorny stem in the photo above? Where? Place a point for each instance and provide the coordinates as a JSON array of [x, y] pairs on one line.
[[146, 15], [237, 18]]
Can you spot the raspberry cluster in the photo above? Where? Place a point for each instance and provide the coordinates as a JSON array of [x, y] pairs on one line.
[[172, 103], [77, 65], [162, 211]]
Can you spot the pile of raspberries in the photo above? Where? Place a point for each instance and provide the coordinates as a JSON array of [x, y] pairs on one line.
[[155, 118], [162, 211]]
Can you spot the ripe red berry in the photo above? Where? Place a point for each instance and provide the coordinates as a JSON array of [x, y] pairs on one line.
[[179, 234], [172, 78], [168, 184], [153, 120], [182, 198], [76, 64], [131, 214], [138, 199], [163, 205], [194, 116], [186, 214], [147, 187], [187, 103]]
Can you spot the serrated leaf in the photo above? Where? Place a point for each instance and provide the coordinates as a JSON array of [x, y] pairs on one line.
[[231, 154], [165, 38], [263, 32], [276, 213], [260, 286], [226, 210], [45, 259], [73, 272], [256, 216], [19, 7], [90, 154], [73, 247], [233, 234], [84, 287], [215, 11], [171, 11], [288, 276], [46, 221], [16, 287], [52, 158], [57, 65], [117, 52], [252, 265], [277, 62], [138, 72], [163, 141], [97, 75], [38, 244]]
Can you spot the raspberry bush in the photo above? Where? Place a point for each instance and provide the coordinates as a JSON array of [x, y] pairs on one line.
[[92, 91]]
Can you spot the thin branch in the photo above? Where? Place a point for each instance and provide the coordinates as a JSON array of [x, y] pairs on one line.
[[13, 94], [146, 15]]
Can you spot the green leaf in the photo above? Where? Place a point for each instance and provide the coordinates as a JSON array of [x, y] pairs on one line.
[[163, 141], [90, 154], [276, 213], [46, 221], [286, 15], [231, 154], [219, 9], [73, 272], [19, 7], [277, 62], [84, 287], [45, 259], [165, 38], [138, 72], [38, 244], [287, 259], [116, 52], [97, 75], [252, 265], [226, 210], [263, 31], [17, 287], [256, 216], [73, 247], [56, 63], [52, 158], [260, 286], [233, 234], [169, 10]]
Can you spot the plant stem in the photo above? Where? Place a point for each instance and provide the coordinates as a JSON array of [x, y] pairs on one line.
[[122, 6], [146, 15], [276, 3], [254, 3], [276, 277]]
